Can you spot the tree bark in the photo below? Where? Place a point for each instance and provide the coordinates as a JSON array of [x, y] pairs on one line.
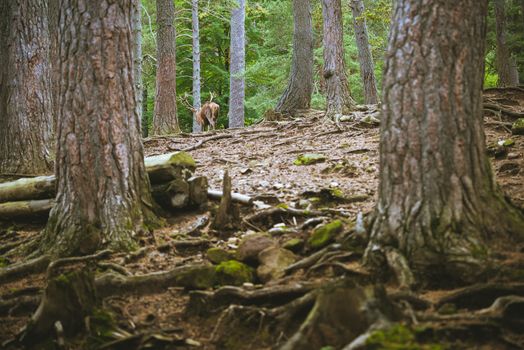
[[196, 63], [338, 99], [145, 121], [438, 200], [165, 120], [54, 12], [136, 22], [25, 93], [365, 59], [505, 63], [300, 87], [237, 66], [103, 193]]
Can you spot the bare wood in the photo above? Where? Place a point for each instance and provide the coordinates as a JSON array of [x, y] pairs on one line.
[[226, 215], [12, 210], [235, 197]]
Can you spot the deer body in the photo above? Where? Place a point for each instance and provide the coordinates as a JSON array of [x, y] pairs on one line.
[[207, 115]]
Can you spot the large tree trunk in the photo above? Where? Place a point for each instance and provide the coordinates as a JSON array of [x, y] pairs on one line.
[[237, 66], [438, 201], [103, 193], [136, 22], [196, 63], [54, 60], [300, 87], [505, 63], [365, 58], [165, 120], [338, 99], [25, 88]]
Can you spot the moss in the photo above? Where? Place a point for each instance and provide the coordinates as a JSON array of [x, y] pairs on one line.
[[398, 337], [293, 244], [102, 326], [218, 255], [508, 143], [183, 159], [309, 158], [518, 127], [324, 234], [447, 309], [234, 272], [480, 252], [198, 277], [337, 193], [4, 261]]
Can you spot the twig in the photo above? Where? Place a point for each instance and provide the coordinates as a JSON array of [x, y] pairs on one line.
[[201, 142]]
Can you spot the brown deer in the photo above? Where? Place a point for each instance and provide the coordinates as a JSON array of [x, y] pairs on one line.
[[207, 115]]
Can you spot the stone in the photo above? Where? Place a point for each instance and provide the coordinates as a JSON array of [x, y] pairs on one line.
[[518, 127], [197, 277], [218, 255], [324, 234], [309, 158], [273, 262], [253, 244], [234, 273]]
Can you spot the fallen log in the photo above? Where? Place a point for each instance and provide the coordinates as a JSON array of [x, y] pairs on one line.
[[235, 197], [33, 208], [161, 168]]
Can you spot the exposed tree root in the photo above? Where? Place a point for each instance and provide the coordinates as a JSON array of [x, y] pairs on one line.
[[501, 109], [313, 258], [201, 142], [56, 265], [481, 295], [19, 305], [20, 270]]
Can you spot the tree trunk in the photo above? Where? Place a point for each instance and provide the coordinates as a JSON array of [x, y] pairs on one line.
[[338, 99], [25, 88], [438, 201], [136, 22], [54, 12], [145, 120], [103, 193], [237, 66], [365, 58], [165, 120], [505, 63], [300, 87], [196, 63]]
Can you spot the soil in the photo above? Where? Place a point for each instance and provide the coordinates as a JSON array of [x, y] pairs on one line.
[[260, 160]]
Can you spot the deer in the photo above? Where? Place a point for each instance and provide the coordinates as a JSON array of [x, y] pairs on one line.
[[207, 115]]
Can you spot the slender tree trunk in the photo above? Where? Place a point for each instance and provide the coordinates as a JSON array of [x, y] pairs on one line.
[[165, 119], [300, 87], [25, 88], [365, 58], [145, 120], [196, 63], [136, 22], [505, 63], [103, 193], [338, 98], [237, 66], [438, 201]]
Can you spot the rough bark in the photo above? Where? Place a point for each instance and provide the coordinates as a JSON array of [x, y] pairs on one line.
[[438, 200], [196, 63], [505, 63], [136, 22], [300, 87], [237, 66], [165, 119], [338, 99], [365, 59], [25, 93], [103, 193], [54, 12], [145, 123]]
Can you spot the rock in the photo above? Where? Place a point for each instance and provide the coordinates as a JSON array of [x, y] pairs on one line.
[[218, 255], [309, 158], [233, 272], [273, 261], [198, 277], [294, 244], [518, 127], [496, 150], [253, 244], [324, 234], [513, 155]]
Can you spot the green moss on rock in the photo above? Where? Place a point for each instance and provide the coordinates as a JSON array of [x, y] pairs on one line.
[[294, 244], [198, 277], [233, 272], [324, 234], [518, 127], [309, 158], [218, 255], [396, 338]]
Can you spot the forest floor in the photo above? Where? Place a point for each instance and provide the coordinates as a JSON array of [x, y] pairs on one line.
[[290, 200]]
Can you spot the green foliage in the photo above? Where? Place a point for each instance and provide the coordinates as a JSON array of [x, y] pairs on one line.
[[398, 337]]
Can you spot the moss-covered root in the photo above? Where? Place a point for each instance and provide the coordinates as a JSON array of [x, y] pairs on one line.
[[68, 298]]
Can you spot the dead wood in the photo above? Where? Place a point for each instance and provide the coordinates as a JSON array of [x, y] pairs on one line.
[[27, 209], [481, 295], [312, 259], [227, 215], [55, 266], [235, 197], [201, 142]]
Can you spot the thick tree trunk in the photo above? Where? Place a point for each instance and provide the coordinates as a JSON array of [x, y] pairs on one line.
[[338, 99], [237, 66], [165, 120], [300, 87], [505, 63], [103, 193], [196, 63], [25, 88], [365, 58], [54, 12], [438, 201], [136, 22]]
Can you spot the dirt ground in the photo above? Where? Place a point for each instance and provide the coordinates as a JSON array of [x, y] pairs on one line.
[[260, 160]]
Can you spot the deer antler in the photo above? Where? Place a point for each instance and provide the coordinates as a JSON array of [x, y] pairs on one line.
[[211, 97], [186, 103]]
